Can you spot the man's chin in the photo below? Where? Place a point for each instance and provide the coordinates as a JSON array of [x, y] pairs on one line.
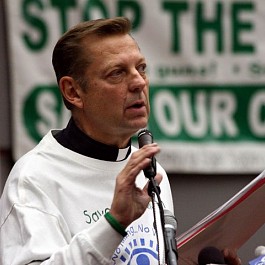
[[140, 126], [134, 125]]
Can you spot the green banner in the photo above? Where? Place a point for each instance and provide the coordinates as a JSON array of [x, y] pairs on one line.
[[205, 64], [208, 113]]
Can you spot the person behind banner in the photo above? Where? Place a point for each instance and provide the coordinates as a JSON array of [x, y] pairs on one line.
[[80, 196]]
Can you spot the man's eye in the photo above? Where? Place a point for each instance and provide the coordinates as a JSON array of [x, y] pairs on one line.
[[142, 68], [116, 72]]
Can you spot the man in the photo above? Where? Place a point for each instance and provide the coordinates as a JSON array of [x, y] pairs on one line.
[[80, 196], [70, 199]]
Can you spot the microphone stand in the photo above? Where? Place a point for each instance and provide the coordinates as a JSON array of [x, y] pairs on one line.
[[153, 188], [145, 137]]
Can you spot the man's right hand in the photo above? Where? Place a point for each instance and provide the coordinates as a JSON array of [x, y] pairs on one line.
[[129, 201]]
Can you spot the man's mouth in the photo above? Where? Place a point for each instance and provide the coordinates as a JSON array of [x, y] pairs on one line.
[[137, 105]]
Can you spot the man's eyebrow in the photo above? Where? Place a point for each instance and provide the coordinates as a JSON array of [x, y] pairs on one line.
[[122, 63]]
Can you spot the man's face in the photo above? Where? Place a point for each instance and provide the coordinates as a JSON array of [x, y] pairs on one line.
[[116, 102]]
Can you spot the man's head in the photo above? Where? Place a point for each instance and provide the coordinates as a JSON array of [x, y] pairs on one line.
[[101, 75], [69, 58]]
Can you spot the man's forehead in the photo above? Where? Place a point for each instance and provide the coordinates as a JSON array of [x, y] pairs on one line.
[[99, 43], [122, 45]]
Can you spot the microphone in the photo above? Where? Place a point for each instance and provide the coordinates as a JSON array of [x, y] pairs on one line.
[[210, 255], [145, 137], [260, 254], [259, 251], [170, 238]]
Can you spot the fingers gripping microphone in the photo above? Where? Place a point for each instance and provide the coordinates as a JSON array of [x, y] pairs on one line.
[[170, 238], [145, 137]]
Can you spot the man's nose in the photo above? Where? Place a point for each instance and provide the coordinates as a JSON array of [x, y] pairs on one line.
[[137, 80]]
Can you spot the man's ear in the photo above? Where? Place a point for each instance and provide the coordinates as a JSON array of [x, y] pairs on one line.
[[71, 91]]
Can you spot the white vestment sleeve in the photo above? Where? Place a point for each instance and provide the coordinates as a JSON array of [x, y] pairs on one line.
[[39, 238]]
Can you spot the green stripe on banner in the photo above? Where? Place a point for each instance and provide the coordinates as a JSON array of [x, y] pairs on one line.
[[199, 113]]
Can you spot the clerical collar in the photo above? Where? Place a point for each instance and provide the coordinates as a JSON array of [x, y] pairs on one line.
[[74, 139]]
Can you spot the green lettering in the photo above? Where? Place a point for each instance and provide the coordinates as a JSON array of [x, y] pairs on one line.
[[34, 21], [214, 25], [135, 8], [238, 26], [62, 7], [175, 8], [94, 4], [42, 110]]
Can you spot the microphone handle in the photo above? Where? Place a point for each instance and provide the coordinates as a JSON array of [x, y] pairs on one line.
[[145, 137], [150, 171]]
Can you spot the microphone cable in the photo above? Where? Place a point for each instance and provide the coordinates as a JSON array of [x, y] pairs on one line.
[[156, 193]]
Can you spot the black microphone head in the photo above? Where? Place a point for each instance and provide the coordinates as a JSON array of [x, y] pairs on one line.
[[144, 137], [170, 219], [210, 255]]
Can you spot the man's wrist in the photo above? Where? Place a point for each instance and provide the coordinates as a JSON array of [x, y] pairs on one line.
[[115, 224]]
